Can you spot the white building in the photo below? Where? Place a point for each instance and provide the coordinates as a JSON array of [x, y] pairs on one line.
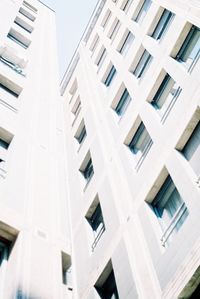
[[131, 99], [33, 222]]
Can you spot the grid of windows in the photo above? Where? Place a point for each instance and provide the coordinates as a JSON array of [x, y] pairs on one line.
[[167, 205]]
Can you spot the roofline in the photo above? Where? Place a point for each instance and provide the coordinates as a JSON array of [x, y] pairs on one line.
[[46, 6], [85, 36]]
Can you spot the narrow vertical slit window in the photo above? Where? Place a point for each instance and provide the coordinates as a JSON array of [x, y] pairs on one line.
[[123, 103], [143, 11], [143, 64], [163, 24], [110, 77], [126, 4], [126, 43]]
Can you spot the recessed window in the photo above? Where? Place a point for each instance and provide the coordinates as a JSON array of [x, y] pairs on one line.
[[66, 270], [190, 49], [166, 95], [29, 6], [191, 150], [21, 23], [73, 89], [5, 140], [87, 169], [95, 220], [94, 44], [101, 57], [106, 284], [114, 29], [8, 236], [106, 18], [81, 133], [123, 102], [143, 11], [111, 73], [27, 14], [163, 24], [76, 109], [142, 65], [19, 38], [140, 144], [170, 210], [9, 88], [126, 43], [125, 5]]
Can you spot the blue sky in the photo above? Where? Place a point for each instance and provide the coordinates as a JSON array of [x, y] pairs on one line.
[[72, 18]]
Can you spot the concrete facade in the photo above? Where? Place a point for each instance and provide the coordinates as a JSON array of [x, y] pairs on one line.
[[33, 224], [121, 158]]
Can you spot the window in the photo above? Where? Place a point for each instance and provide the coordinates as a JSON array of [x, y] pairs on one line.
[[163, 24], [125, 5], [110, 76], [94, 43], [81, 133], [8, 236], [9, 88], [19, 38], [21, 23], [27, 14], [73, 90], [143, 11], [123, 103], [76, 110], [87, 169], [166, 95], [191, 150], [106, 18], [66, 270], [126, 43], [114, 29], [190, 50], [29, 6], [140, 144], [170, 210], [101, 57], [95, 219], [106, 284], [142, 65]]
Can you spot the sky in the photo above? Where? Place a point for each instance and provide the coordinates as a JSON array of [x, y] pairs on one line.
[[72, 17]]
